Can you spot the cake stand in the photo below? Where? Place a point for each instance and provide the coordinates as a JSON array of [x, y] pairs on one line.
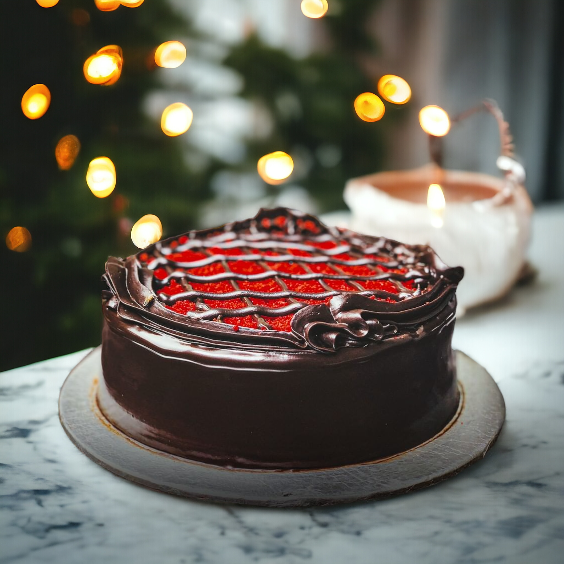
[[466, 439]]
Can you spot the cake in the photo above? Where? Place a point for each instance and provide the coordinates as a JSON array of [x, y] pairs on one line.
[[278, 343]]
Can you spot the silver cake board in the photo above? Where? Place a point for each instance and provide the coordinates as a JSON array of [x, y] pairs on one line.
[[466, 439]]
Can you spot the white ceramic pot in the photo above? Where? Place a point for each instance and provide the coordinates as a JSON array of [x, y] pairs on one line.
[[485, 225]]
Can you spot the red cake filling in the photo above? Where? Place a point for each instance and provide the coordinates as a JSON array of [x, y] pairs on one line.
[[241, 278]]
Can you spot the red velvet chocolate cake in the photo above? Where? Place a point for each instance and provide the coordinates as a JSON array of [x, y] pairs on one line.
[[279, 343]]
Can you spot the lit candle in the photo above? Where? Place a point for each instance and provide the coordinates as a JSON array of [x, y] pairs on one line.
[[275, 168], [104, 67], [369, 107], [176, 119], [485, 227], [146, 231], [47, 3], [101, 177], [35, 101], [170, 55]]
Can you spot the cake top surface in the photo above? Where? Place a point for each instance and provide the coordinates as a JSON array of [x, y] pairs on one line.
[[284, 275]]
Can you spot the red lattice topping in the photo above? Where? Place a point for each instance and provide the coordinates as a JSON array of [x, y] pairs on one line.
[[257, 274]]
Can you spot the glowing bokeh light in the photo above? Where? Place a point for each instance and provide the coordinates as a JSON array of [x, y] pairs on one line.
[[131, 3], [369, 107], [47, 3], [18, 239], [276, 167], [436, 204], [176, 119], [107, 5], [146, 231], [101, 177], [170, 55], [394, 89], [314, 8], [104, 67], [66, 151], [35, 101], [434, 121]]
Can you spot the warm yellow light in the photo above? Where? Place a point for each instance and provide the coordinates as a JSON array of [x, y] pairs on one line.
[[276, 167], [104, 67], [66, 151], [107, 5], [146, 231], [314, 8], [369, 107], [47, 3], [35, 101], [170, 54], [101, 177], [394, 89], [436, 204], [434, 121], [176, 119], [18, 239], [131, 3]]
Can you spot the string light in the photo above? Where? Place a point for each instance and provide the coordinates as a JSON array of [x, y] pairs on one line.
[[434, 121], [146, 231], [66, 151], [176, 119], [47, 3], [18, 239], [131, 3], [314, 8], [394, 89], [436, 204], [35, 101], [107, 5], [101, 177], [104, 67], [170, 54], [276, 167], [369, 107]]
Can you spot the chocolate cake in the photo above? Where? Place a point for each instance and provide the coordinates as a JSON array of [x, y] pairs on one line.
[[279, 343]]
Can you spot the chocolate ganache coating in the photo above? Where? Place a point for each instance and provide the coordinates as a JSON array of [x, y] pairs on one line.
[[279, 343]]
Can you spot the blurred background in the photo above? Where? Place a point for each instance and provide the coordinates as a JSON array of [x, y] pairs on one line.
[[259, 77]]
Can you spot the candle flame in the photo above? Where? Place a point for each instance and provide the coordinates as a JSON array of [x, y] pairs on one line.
[[436, 204], [434, 121], [66, 151], [170, 54], [369, 107], [394, 89], [314, 8], [107, 5], [276, 167], [146, 231], [104, 67], [101, 177], [35, 101], [18, 239], [176, 119], [47, 3]]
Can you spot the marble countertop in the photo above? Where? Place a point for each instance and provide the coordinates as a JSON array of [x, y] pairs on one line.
[[58, 506]]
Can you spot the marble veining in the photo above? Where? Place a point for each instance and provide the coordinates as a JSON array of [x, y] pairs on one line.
[[58, 506]]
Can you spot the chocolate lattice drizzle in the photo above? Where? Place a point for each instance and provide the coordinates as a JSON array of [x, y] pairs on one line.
[[284, 271]]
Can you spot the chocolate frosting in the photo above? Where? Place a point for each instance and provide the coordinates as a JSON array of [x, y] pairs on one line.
[[351, 319]]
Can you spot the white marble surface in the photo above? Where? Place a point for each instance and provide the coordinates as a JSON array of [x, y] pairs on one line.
[[58, 506]]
